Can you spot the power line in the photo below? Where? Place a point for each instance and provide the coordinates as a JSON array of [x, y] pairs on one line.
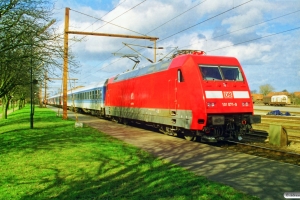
[[113, 20], [108, 22], [195, 24], [177, 16], [124, 13], [105, 15], [205, 20], [255, 39], [219, 35], [168, 21], [246, 27], [101, 18]]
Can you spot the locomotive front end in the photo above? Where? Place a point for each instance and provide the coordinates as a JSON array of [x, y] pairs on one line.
[[228, 105]]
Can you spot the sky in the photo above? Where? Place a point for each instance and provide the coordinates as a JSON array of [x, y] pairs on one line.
[[264, 35]]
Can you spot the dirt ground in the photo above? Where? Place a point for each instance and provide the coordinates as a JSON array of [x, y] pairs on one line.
[[292, 147]]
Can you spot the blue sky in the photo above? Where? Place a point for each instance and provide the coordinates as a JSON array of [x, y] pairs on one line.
[[258, 32]]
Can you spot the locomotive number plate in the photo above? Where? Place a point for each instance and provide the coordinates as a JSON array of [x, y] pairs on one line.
[[229, 104], [228, 94]]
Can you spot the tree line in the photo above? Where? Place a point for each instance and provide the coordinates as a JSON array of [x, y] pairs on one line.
[[29, 46], [267, 88]]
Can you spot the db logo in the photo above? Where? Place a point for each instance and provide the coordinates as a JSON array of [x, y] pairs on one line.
[[227, 94]]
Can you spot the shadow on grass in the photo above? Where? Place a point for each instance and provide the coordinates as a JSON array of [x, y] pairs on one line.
[[120, 173], [62, 162], [130, 181]]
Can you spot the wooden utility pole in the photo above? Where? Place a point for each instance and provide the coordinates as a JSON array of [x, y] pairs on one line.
[[65, 70], [66, 38]]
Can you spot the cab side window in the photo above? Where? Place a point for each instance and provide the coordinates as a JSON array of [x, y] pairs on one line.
[[179, 76]]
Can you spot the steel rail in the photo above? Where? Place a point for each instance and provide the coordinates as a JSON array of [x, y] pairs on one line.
[[266, 148]]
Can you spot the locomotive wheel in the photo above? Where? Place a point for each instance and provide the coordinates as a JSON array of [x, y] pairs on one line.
[[190, 138], [167, 131], [125, 121]]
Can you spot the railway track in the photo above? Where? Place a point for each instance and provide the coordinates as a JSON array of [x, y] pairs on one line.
[[295, 113], [264, 151], [290, 123]]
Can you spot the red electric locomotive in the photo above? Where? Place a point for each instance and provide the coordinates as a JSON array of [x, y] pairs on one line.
[[193, 94]]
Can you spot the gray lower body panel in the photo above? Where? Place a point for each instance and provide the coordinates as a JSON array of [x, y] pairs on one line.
[[179, 118]]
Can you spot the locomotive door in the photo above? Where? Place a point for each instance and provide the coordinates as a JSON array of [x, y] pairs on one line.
[[172, 94]]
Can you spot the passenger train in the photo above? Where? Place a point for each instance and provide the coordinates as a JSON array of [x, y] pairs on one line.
[[192, 94]]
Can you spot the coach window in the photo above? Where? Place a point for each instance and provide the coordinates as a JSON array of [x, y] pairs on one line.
[[179, 76]]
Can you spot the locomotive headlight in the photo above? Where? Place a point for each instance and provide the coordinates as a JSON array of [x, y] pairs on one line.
[[211, 104], [245, 104]]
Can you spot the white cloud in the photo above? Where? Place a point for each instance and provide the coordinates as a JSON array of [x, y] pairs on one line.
[[243, 20]]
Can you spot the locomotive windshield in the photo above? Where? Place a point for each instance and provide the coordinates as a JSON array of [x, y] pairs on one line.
[[221, 73]]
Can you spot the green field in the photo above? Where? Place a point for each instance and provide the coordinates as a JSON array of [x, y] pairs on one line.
[[55, 160]]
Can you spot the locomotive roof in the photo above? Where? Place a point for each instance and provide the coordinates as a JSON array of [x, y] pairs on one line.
[[161, 66]]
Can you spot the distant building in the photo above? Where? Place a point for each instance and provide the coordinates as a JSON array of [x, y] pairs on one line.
[[278, 93], [297, 94], [257, 98]]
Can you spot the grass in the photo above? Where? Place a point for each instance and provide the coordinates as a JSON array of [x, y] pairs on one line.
[[55, 160]]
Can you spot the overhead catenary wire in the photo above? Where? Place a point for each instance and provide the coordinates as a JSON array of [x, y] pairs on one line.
[[103, 15], [229, 33], [124, 13], [116, 18], [99, 19], [215, 37], [234, 7], [293, 29], [163, 25], [109, 22], [176, 16], [270, 35], [170, 20]]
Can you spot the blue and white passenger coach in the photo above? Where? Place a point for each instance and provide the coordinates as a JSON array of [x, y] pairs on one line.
[[89, 99]]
